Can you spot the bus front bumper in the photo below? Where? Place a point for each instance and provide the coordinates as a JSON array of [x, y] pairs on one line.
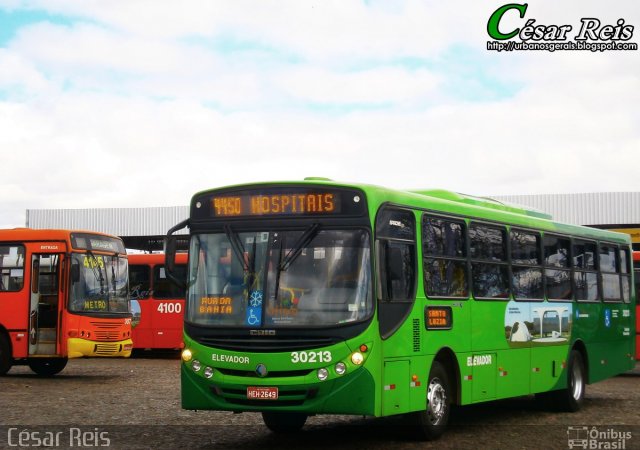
[[78, 348]]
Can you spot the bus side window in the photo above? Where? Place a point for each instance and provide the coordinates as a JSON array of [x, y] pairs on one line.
[[557, 272], [139, 282], [610, 272], [625, 276], [444, 257], [526, 260], [164, 287], [489, 268], [11, 267]]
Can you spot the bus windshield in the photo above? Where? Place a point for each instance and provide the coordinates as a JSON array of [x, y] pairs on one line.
[[99, 283], [312, 277]]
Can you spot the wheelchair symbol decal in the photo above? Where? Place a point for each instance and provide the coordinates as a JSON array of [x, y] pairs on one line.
[[254, 311]]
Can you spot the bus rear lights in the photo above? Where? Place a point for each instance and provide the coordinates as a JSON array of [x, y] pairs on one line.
[[357, 358], [186, 355], [195, 365], [323, 374], [208, 372], [341, 368], [73, 333]]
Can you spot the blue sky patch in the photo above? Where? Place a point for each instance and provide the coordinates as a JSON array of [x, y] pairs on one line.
[[11, 21]]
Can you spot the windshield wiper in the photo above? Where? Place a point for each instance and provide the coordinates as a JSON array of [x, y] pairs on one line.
[[97, 272], [302, 242], [236, 245]]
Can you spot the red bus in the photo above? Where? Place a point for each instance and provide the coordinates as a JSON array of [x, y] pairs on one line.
[[636, 273], [156, 302], [63, 294]]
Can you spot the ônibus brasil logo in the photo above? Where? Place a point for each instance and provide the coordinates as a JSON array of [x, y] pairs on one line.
[[591, 34]]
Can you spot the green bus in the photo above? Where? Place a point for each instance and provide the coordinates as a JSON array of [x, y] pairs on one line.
[[319, 297]]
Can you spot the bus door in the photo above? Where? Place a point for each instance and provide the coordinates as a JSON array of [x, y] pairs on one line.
[[396, 257], [44, 314]]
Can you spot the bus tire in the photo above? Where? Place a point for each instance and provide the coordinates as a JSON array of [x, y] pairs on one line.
[[572, 397], [47, 367], [432, 422], [6, 359], [284, 422]]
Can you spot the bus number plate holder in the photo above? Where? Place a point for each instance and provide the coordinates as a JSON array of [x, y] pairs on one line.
[[262, 393]]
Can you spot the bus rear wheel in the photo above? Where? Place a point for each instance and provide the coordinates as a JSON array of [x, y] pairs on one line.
[[5, 355], [284, 422], [571, 398], [47, 367], [432, 422]]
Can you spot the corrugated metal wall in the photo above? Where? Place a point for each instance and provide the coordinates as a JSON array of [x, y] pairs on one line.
[[603, 208], [600, 208], [117, 221]]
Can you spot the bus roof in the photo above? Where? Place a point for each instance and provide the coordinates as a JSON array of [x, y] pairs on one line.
[[30, 234], [76, 239]]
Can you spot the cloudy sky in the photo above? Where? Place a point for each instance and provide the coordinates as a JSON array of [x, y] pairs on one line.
[[138, 103]]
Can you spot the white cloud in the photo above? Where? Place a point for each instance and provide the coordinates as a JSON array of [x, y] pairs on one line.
[[143, 104]]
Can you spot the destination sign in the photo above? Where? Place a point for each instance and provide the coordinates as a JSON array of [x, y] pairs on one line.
[[259, 205], [85, 241], [438, 318], [280, 201]]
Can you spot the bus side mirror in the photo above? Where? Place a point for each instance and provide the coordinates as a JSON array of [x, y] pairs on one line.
[[170, 250], [75, 272]]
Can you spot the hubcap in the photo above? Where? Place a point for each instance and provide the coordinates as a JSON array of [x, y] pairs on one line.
[[437, 401], [576, 382]]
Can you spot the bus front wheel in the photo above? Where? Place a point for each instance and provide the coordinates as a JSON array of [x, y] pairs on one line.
[[5, 355], [47, 366], [284, 422], [432, 422]]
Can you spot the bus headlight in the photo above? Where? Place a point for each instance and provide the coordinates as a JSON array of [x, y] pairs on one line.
[[341, 368], [357, 358], [195, 365], [208, 372], [323, 374], [186, 355]]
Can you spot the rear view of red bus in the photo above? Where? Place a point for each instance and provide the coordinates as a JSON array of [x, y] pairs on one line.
[[157, 302], [63, 294]]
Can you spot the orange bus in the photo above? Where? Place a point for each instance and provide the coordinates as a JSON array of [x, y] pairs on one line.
[[636, 273], [63, 294], [157, 303]]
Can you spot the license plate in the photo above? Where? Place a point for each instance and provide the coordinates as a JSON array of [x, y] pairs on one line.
[[262, 393]]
